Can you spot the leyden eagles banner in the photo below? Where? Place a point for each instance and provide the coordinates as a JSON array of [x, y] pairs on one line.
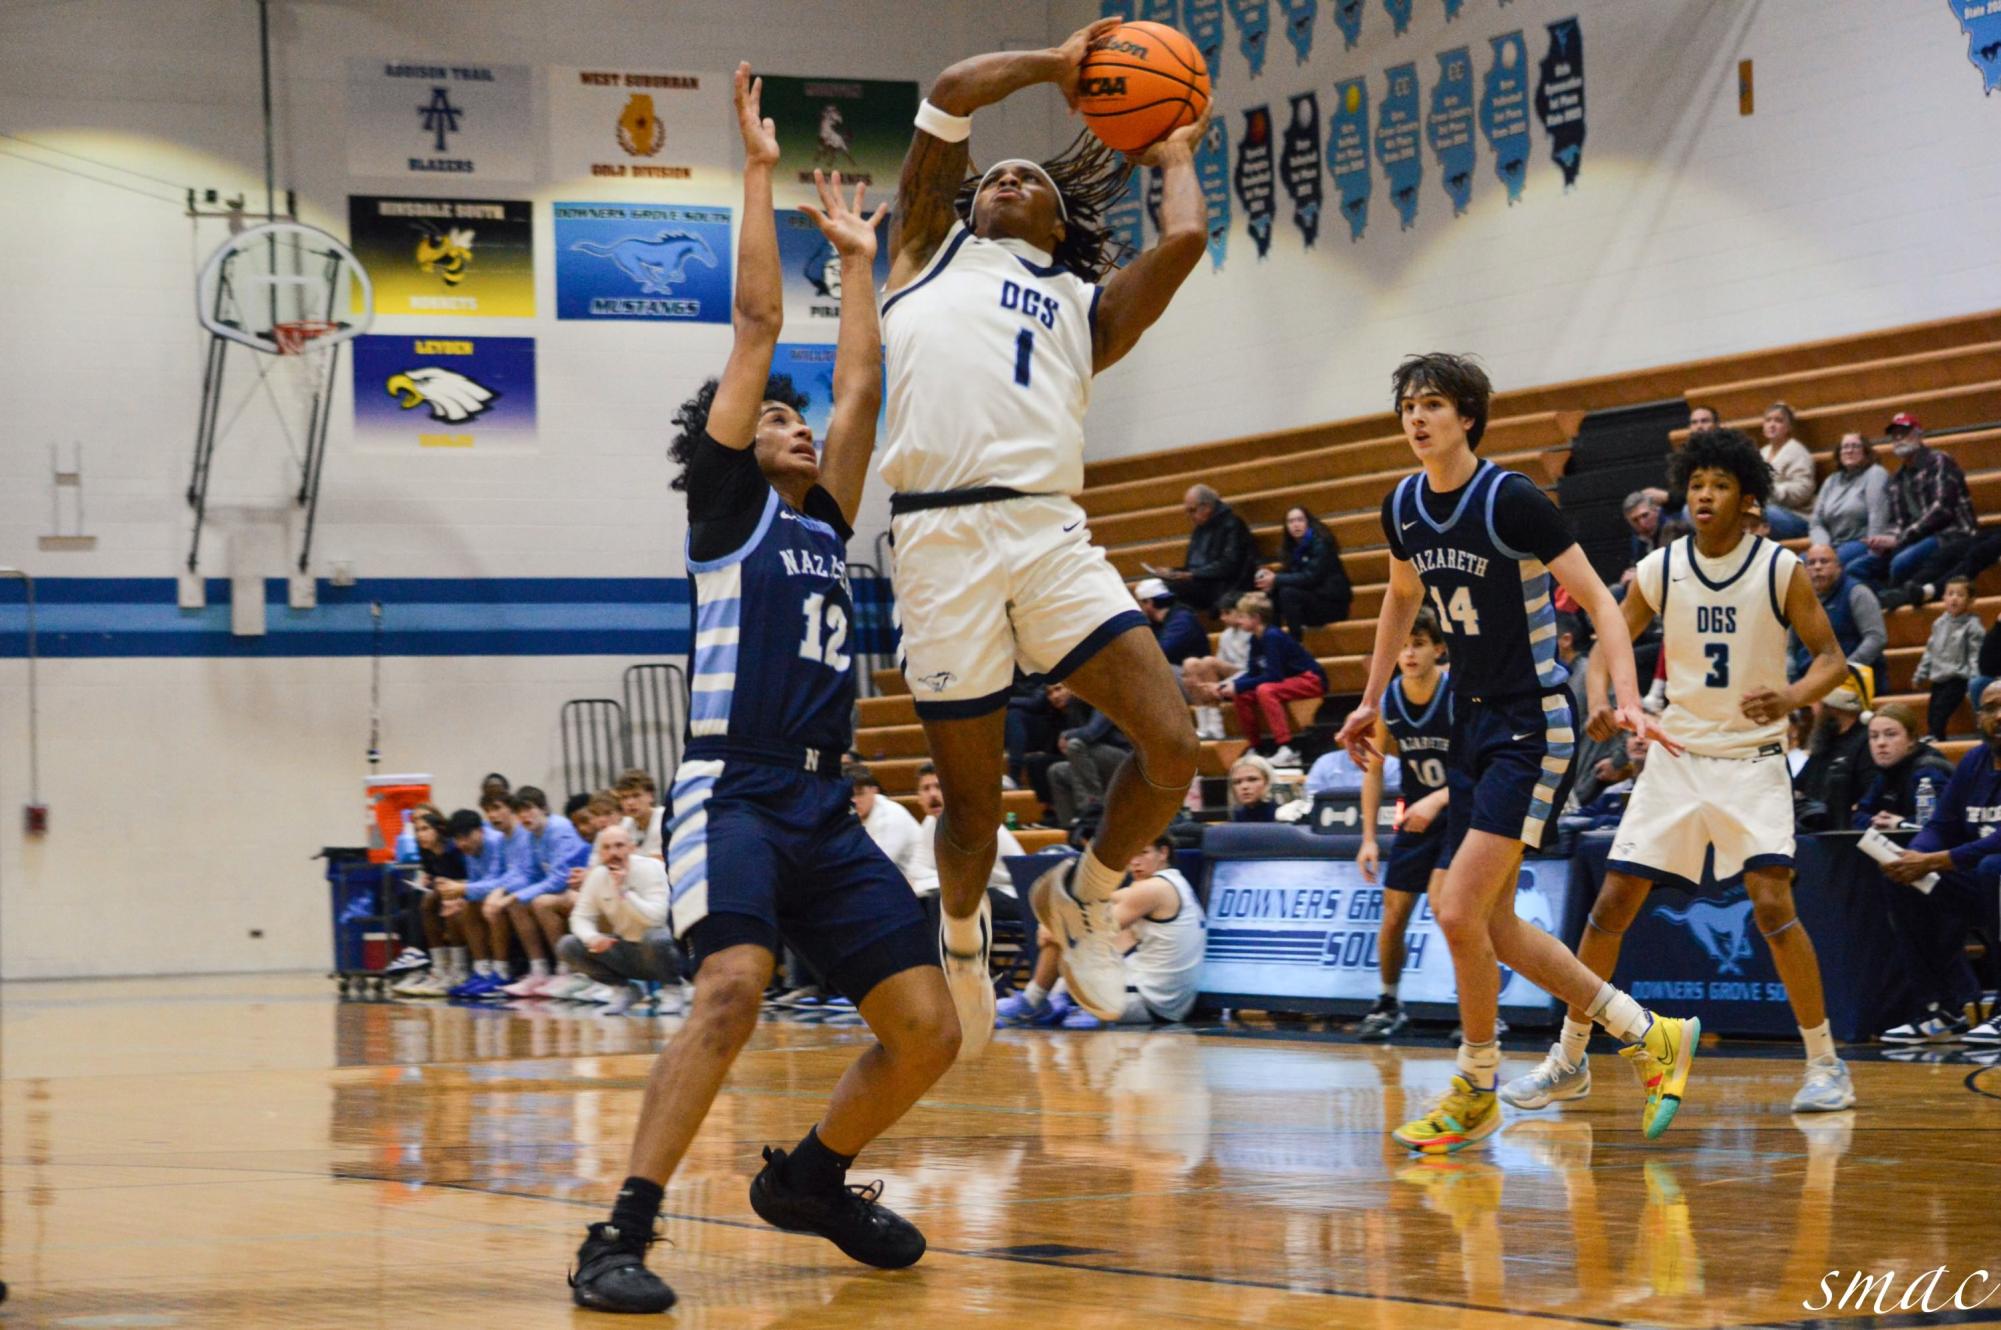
[[421, 118], [668, 133], [859, 127], [444, 392], [466, 257]]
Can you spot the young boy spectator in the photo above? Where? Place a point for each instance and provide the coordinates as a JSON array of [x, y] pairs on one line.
[[636, 794], [889, 823], [1281, 671], [552, 841], [1952, 656], [1909, 777], [1201, 674], [618, 932]]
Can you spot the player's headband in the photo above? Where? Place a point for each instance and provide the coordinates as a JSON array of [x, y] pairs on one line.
[[1025, 164]]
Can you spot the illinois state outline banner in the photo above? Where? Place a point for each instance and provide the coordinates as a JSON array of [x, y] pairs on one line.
[[653, 262], [666, 132], [444, 392], [859, 127], [472, 258], [430, 118]]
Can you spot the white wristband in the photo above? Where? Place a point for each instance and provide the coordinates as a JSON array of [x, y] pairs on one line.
[[943, 124]]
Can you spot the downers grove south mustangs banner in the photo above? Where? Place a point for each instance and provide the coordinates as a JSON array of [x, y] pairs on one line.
[[467, 257], [666, 263]]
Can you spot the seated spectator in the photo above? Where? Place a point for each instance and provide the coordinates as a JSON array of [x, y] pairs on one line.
[[494, 783], [574, 805], [483, 846], [1792, 474], [1067, 712], [1281, 671], [1851, 609], [1931, 519], [1642, 510], [1175, 626], [1607, 804], [1961, 842], [618, 932], [888, 823], [1310, 587], [1201, 674], [1837, 763], [1162, 936], [1854, 502], [1222, 555], [552, 910], [443, 940], [1799, 733], [1952, 657], [1909, 774], [1989, 666], [1251, 795], [552, 841], [496, 895], [1703, 417], [924, 868], [1031, 726], [1092, 753], [636, 793], [1334, 772]]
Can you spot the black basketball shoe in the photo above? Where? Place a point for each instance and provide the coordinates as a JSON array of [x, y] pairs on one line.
[[852, 1218], [611, 1273]]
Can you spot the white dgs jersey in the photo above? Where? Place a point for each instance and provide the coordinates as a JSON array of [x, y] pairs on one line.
[[1724, 629], [989, 364]]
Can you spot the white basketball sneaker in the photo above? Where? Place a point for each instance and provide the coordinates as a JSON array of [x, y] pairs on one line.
[[1084, 932], [970, 978], [1552, 1080]]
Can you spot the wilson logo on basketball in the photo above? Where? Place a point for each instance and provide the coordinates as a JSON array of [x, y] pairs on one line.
[[1103, 87], [1122, 47]]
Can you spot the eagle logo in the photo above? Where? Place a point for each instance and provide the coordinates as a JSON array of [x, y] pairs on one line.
[[446, 253], [451, 396], [656, 262], [640, 132]]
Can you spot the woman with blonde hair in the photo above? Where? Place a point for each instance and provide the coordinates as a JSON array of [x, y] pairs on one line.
[[1251, 779]]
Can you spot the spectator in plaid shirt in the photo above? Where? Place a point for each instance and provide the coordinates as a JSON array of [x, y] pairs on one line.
[[1931, 519]]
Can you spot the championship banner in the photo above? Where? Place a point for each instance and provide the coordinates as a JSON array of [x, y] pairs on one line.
[[1161, 11], [473, 258], [1559, 97], [1348, 18], [1254, 177], [1399, 12], [1450, 128], [1396, 141], [444, 392], [1504, 111], [859, 127], [1348, 153], [419, 118], [654, 262], [673, 130], [1212, 172], [1125, 219], [1299, 26], [1980, 20], [1452, 8], [812, 273], [1202, 20], [1253, 20], [1122, 10], [1299, 166]]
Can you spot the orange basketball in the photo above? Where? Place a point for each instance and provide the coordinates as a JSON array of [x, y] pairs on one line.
[[1139, 83]]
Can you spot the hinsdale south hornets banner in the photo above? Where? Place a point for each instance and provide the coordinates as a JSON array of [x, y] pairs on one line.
[[859, 127], [444, 392], [422, 118], [667, 263], [473, 258]]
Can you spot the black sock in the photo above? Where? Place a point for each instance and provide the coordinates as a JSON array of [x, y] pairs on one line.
[[813, 1167], [638, 1205]]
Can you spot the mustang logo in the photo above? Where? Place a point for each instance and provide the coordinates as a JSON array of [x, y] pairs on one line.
[[640, 132], [938, 682], [1719, 928], [833, 143], [446, 253], [656, 264], [451, 396]]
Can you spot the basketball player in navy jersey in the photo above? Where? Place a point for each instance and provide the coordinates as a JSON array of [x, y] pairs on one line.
[[1003, 302], [1726, 601], [763, 840], [1481, 544]]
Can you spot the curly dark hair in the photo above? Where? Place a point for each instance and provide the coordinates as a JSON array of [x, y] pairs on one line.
[[1459, 378], [691, 421], [1722, 450], [1091, 178]]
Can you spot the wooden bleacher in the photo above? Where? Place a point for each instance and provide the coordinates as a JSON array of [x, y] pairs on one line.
[[1948, 372]]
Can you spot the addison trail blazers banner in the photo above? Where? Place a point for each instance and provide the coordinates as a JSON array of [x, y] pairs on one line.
[[422, 118], [1450, 128], [1348, 153], [1126, 217], [812, 275], [1299, 165], [1202, 20], [1348, 18], [1253, 20], [667, 129], [655, 262], [473, 258], [1396, 140], [1299, 26], [1212, 172], [1254, 177], [444, 392], [1399, 12], [859, 127], [1504, 111], [1559, 97], [1980, 20]]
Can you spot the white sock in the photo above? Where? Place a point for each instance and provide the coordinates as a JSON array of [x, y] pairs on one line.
[[482, 968], [1095, 881], [1623, 1018], [538, 969], [1480, 1064], [455, 959], [1576, 1034], [962, 935], [1035, 993], [1819, 1043]]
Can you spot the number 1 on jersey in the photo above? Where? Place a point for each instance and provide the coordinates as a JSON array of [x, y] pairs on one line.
[[1461, 612], [1024, 355]]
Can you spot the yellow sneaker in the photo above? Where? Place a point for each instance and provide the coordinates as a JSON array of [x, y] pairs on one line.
[[1463, 1116], [1671, 1043], [1648, 1073]]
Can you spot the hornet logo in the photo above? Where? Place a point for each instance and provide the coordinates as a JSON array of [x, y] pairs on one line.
[[1719, 928], [451, 396], [640, 132], [445, 253], [656, 263]]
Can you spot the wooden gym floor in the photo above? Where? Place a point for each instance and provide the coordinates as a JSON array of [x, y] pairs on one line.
[[249, 1151]]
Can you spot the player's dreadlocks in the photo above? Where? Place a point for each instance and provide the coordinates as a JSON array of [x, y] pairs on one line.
[[692, 419], [1090, 177]]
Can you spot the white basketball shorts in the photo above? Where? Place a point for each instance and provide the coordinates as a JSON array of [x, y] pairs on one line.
[[1683, 805], [985, 587]]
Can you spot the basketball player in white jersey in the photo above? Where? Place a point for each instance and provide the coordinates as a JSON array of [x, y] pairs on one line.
[[1726, 600], [1003, 302]]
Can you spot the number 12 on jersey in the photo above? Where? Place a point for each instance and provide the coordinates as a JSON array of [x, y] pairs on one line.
[[1461, 611], [828, 653]]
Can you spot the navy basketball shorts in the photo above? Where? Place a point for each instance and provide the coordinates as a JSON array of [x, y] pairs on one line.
[[1513, 763], [1414, 856], [758, 852]]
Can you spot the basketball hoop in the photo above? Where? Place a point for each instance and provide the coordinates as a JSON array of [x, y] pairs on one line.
[[294, 337]]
